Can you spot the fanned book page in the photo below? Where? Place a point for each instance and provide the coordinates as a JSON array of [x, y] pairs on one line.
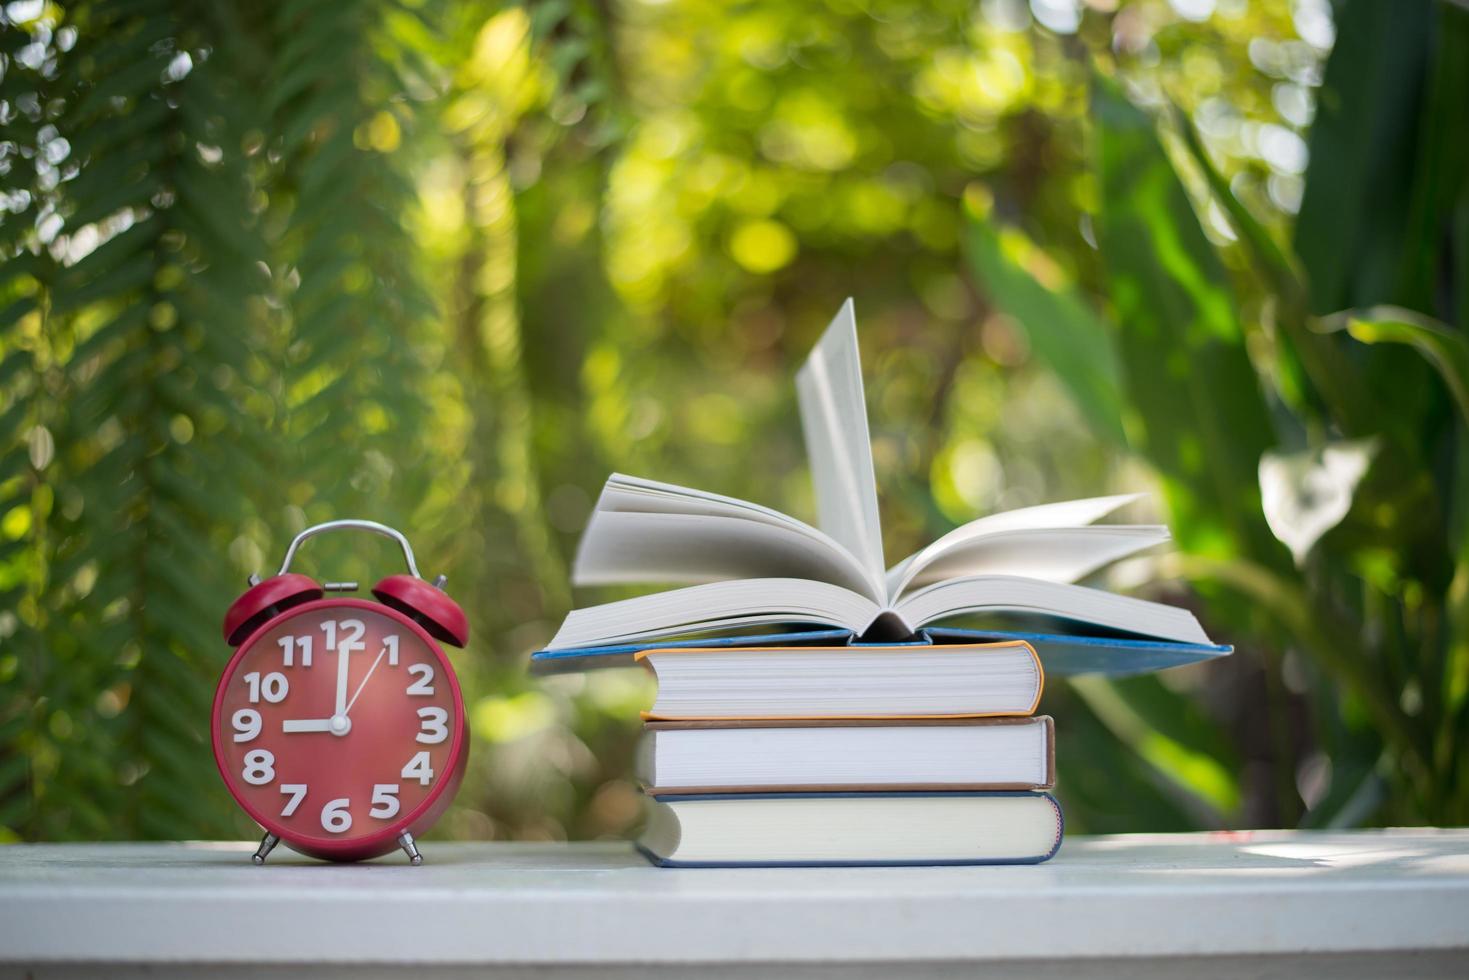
[[644, 532], [740, 566], [834, 419]]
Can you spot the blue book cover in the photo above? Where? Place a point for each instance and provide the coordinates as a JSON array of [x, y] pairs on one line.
[[1060, 653], [992, 837]]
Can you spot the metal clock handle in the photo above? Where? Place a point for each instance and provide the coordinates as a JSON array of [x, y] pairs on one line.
[[351, 524]]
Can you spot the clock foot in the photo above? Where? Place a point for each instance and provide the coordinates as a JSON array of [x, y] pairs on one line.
[[267, 844], [405, 841]]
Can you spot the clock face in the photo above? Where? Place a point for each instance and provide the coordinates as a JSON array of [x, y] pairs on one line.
[[338, 726]]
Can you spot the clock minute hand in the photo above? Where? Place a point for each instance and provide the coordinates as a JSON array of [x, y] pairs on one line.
[[365, 678], [344, 664]]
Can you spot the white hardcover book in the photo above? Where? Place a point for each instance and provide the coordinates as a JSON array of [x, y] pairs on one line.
[[852, 828], [684, 757]]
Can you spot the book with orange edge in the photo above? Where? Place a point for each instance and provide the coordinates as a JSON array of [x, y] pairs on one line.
[[860, 681]]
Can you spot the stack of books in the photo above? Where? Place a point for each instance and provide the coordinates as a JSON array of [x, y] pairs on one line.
[[810, 708], [848, 755]]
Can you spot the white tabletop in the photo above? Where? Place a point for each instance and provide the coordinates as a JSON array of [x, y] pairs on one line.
[[1129, 896]]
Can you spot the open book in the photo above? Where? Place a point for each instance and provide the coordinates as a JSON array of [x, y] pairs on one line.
[[744, 565]]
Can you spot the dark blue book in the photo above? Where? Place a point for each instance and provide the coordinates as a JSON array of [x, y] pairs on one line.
[[773, 830]]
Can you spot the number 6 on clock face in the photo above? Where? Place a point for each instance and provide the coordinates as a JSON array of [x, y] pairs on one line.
[[335, 817]]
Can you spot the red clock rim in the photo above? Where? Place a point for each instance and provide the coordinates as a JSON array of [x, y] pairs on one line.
[[393, 830]]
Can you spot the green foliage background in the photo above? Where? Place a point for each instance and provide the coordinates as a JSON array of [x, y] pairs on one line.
[[446, 264]]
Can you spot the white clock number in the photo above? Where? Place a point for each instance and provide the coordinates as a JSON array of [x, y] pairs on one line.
[[390, 644], [384, 801], [260, 767], [247, 724], [274, 686], [424, 686], [433, 724], [297, 793], [418, 769], [335, 817], [351, 638], [289, 645]]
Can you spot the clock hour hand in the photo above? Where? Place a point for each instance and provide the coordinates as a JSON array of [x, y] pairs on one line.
[[307, 725], [337, 724]]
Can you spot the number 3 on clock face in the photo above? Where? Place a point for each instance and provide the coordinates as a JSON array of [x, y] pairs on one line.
[[339, 726]]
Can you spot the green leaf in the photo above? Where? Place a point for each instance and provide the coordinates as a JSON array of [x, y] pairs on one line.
[[1441, 167], [1105, 786], [1334, 376], [14, 364], [1200, 416], [101, 140], [1446, 349], [1321, 630], [1072, 339], [135, 81], [1277, 266], [1456, 655], [1170, 734], [1351, 230]]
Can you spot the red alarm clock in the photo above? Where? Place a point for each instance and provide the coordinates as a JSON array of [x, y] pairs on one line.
[[338, 724]]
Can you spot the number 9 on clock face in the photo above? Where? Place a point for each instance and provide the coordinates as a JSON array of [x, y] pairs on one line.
[[339, 726]]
